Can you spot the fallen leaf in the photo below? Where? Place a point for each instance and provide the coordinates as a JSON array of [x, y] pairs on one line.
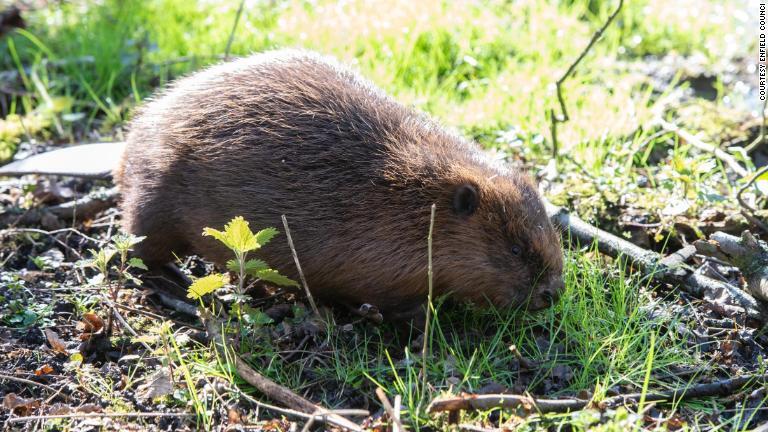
[[160, 385], [44, 370], [55, 341], [20, 405], [90, 325]]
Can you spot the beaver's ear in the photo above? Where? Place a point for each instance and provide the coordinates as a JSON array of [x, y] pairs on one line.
[[465, 200]]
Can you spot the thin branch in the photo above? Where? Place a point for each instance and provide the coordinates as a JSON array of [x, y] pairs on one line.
[[234, 28], [425, 345], [26, 381], [555, 119], [471, 402], [298, 267], [97, 415], [691, 139], [749, 184], [761, 136], [395, 418]]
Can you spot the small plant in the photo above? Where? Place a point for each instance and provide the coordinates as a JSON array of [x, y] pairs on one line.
[[120, 245], [239, 238]]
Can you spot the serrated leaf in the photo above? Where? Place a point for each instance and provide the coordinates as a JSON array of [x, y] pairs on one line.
[[206, 285], [272, 276], [264, 236], [138, 263], [252, 266], [124, 242], [237, 235]]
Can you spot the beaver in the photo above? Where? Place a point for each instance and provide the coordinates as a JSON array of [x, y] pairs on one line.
[[297, 133]]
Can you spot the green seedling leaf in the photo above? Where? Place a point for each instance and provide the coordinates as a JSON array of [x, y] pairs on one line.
[[206, 285], [272, 276], [264, 236], [252, 266], [237, 235], [137, 263], [124, 242], [255, 316]]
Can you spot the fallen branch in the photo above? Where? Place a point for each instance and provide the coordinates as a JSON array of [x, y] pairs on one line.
[[472, 402], [747, 253], [650, 263], [268, 387], [79, 209]]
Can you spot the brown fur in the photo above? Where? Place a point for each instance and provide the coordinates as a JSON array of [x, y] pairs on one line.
[[294, 133]]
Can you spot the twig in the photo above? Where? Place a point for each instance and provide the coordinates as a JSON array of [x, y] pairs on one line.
[[30, 382], [397, 408], [651, 263], [555, 119], [691, 139], [265, 385], [298, 267], [50, 233], [761, 136], [471, 402], [125, 324], [158, 317], [746, 186], [395, 418], [234, 27], [86, 206], [97, 415], [485, 402], [11, 231], [290, 412], [425, 346]]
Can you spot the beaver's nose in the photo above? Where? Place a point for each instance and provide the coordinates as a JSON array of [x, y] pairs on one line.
[[549, 292]]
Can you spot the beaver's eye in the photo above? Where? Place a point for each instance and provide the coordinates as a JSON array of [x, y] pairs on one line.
[[516, 250], [465, 200]]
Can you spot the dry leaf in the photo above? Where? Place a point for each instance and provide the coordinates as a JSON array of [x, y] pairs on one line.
[[44, 370], [160, 385], [55, 341], [90, 325], [20, 405]]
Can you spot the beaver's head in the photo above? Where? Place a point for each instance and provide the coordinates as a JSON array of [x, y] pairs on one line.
[[493, 241]]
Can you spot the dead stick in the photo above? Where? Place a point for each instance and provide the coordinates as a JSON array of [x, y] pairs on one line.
[[651, 263], [701, 145], [485, 402], [265, 385], [30, 382], [396, 425], [715, 388], [472, 402], [97, 415], [298, 267], [425, 346]]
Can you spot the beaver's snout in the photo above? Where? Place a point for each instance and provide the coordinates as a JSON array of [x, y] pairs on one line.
[[546, 293]]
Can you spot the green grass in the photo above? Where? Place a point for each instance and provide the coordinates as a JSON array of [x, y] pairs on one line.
[[484, 68]]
